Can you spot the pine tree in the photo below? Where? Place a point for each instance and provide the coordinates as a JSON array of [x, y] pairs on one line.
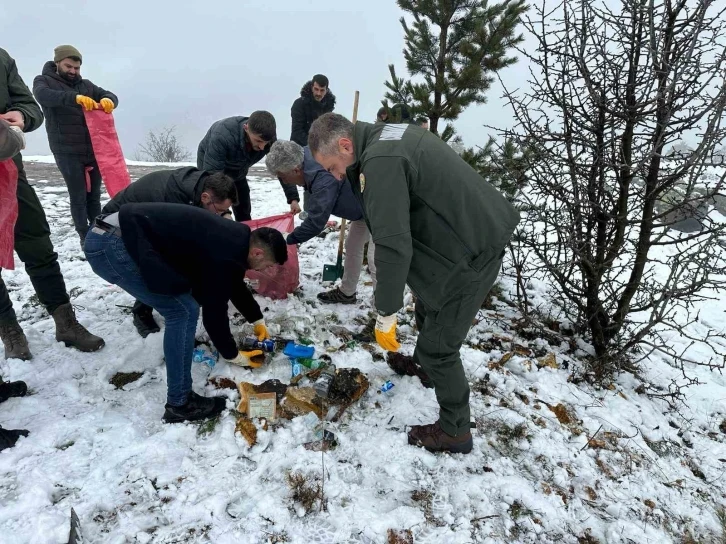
[[454, 46]]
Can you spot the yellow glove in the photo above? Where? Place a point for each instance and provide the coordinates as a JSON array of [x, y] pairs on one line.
[[107, 105], [386, 332], [244, 358], [261, 330], [87, 102]]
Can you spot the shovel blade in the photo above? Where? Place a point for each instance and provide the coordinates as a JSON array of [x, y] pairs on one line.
[[332, 272]]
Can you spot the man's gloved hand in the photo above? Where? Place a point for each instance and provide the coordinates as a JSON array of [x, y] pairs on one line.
[[87, 102], [386, 332], [261, 330], [244, 358], [19, 135], [295, 207], [107, 105]]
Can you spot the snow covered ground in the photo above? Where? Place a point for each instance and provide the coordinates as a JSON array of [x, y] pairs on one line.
[[553, 460]]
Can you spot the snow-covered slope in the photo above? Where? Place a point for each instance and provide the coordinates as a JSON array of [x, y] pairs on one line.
[[553, 461]]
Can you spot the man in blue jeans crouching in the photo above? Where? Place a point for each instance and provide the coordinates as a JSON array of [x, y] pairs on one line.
[[176, 258]]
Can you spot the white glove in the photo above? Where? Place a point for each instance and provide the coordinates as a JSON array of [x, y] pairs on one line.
[[20, 135], [285, 235]]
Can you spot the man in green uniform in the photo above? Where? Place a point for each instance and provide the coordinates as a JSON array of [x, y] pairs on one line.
[[438, 227]]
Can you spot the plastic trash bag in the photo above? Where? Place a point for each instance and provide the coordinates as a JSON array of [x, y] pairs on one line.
[[8, 212], [107, 149], [277, 281]]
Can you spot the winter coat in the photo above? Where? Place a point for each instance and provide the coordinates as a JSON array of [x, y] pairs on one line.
[[326, 196], [64, 119], [226, 148], [15, 96], [180, 186], [179, 248], [435, 222], [306, 109]]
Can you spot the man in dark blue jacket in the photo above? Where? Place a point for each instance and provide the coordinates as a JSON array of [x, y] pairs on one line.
[[326, 196], [233, 145], [63, 94]]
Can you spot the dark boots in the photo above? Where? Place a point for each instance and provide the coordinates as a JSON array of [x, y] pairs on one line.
[[434, 439], [144, 319], [12, 389], [69, 331], [8, 437], [196, 408], [16, 344]]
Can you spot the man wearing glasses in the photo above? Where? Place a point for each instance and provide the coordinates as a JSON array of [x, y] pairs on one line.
[[214, 192]]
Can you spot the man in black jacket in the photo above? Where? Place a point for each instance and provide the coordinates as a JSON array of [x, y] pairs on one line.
[[177, 258], [315, 100], [233, 145], [215, 192], [32, 235], [63, 94]]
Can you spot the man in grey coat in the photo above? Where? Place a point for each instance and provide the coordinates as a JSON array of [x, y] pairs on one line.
[[326, 196]]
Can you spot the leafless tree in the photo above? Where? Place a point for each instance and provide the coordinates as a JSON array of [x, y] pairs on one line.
[[163, 146], [610, 90]]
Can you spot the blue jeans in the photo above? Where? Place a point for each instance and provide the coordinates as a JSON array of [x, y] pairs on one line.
[[109, 259]]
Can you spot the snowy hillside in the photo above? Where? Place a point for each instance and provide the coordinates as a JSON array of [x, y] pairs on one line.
[[554, 460]]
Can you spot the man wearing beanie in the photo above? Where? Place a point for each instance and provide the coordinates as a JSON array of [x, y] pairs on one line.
[[63, 94], [32, 235]]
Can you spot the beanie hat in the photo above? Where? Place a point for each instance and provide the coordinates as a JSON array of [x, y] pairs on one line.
[[65, 51]]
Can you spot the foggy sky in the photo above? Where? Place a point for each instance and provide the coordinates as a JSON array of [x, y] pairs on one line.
[[190, 63]]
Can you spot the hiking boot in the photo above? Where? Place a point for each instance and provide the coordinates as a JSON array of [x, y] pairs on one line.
[[336, 296], [405, 365], [12, 389], [145, 323], [69, 331], [434, 439], [197, 407], [8, 437], [16, 344]]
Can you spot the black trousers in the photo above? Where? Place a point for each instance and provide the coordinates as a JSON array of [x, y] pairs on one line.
[[33, 246], [243, 210], [85, 205]]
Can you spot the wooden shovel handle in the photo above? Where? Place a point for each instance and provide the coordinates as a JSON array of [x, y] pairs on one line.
[[341, 242]]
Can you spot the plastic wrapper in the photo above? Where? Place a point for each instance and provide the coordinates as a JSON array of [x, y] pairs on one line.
[[277, 281]]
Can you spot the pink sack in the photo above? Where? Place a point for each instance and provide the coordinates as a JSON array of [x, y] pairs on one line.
[[106, 147], [278, 281], [8, 212]]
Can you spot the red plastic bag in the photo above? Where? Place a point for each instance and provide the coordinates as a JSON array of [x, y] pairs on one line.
[[8, 212], [106, 147], [278, 281]]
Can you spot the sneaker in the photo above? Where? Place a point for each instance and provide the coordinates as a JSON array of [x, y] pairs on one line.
[[434, 439], [12, 389], [405, 365], [8, 437], [197, 407], [336, 296], [145, 323]]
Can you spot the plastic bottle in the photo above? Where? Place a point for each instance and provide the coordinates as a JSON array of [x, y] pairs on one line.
[[324, 381]]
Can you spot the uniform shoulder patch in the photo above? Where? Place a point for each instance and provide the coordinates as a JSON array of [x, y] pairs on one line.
[[362, 180], [393, 132]]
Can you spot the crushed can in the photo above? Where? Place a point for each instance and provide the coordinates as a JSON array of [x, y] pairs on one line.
[[251, 343], [324, 381], [387, 386]]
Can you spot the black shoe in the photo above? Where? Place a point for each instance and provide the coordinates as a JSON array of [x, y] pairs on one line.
[[336, 296], [196, 408], [434, 439], [8, 437], [145, 323], [12, 389]]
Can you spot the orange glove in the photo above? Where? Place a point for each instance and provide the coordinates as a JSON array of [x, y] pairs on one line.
[[244, 358], [261, 330], [107, 105], [87, 102], [386, 332]]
